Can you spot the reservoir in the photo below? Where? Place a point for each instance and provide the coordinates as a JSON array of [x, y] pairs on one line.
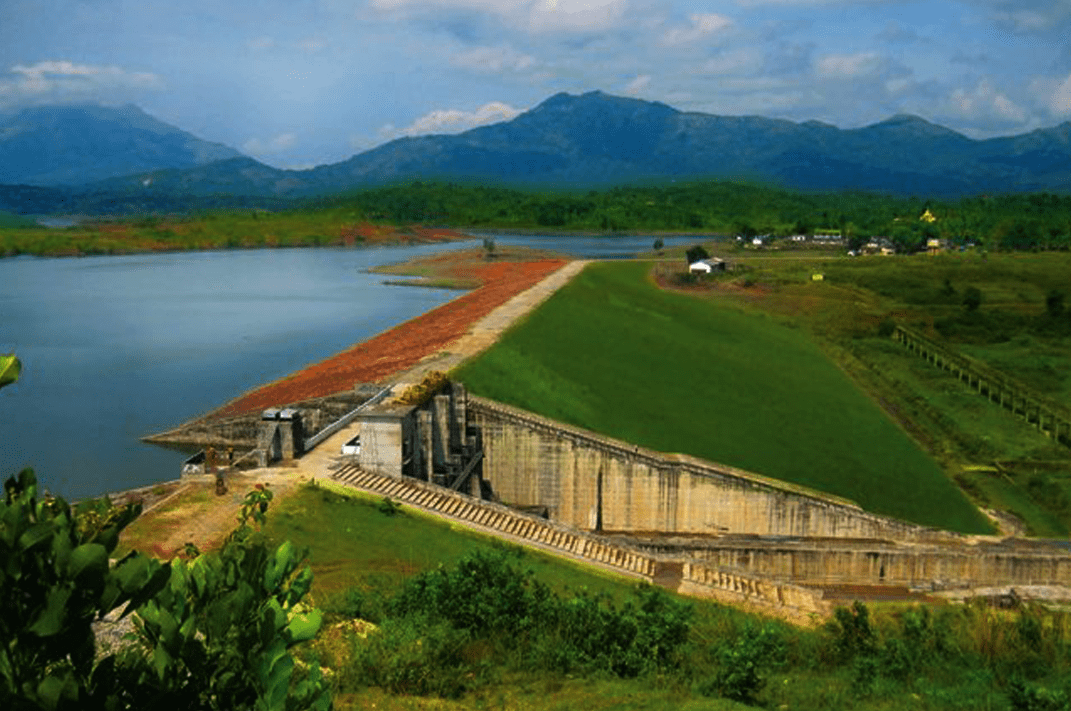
[[117, 347]]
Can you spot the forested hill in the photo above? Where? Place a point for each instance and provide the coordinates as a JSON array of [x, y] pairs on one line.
[[569, 142]]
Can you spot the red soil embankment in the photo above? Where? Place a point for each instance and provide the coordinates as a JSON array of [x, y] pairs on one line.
[[403, 346]]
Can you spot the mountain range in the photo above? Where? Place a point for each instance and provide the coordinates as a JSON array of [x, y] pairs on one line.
[[567, 141]]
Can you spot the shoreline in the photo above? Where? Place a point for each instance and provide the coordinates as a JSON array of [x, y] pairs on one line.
[[404, 345]]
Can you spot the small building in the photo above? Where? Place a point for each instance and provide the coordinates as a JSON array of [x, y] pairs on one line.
[[934, 246], [706, 266]]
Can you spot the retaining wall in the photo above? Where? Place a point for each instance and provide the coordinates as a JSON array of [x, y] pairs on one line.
[[596, 483], [878, 563]]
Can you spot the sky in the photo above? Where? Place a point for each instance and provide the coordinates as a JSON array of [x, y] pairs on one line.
[[298, 83]]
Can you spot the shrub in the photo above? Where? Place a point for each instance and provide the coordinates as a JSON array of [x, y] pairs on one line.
[[742, 663], [412, 655]]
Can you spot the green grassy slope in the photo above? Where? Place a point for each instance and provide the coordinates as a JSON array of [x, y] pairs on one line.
[[613, 353]]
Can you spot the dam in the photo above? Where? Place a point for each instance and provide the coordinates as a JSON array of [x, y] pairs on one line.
[[693, 526], [696, 527]]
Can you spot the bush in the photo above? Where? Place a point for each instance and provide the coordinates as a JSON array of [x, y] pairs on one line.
[[742, 663], [414, 655], [484, 594]]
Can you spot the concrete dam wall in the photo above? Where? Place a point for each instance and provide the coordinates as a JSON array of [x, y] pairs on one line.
[[599, 484], [730, 532], [825, 562]]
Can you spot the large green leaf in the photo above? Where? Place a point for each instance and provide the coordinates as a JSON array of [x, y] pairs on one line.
[[57, 686], [303, 627], [50, 620], [35, 535], [87, 559], [9, 369]]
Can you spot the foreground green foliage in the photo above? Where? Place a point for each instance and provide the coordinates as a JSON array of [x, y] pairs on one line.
[[613, 353], [221, 629], [55, 580], [213, 633]]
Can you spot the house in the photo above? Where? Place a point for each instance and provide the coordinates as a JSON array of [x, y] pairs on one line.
[[706, 266]]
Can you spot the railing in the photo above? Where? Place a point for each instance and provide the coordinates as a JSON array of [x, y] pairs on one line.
[[996, 386], [349, 417]]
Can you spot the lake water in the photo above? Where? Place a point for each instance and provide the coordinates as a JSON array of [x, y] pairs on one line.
[[115, 348]]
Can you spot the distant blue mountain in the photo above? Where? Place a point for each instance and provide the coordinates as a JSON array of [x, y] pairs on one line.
[[599, 140], [78, 144]]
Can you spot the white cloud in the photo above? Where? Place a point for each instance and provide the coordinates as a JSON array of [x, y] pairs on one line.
[[492, 59], [530, 15], [1030, 16], [736, 61], [278, 144], [449, 121], [637, 85], [702, 26], [1060, 102], [848, 66], [986, 103], [61, 80]]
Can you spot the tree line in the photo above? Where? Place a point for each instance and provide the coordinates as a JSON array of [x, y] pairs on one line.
[[1002, 222]]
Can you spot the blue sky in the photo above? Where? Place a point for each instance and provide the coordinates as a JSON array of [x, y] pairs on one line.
[[297, 83]]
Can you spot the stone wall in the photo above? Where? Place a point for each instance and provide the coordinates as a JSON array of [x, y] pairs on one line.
[[600, 484], [952, 564]]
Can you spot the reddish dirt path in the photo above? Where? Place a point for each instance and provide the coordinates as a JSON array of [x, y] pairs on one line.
[[405, 345]]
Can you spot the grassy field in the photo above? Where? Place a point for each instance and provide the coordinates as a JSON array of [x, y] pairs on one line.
[[1011, 331], [614, 353], [946, 657]]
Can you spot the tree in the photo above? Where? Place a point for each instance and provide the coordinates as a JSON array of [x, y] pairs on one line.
[[972, 298], [1054, 303], [658, 245], [488, 248], [694, 254]]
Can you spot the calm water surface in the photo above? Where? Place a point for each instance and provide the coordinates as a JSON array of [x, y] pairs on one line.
[[115, 348]]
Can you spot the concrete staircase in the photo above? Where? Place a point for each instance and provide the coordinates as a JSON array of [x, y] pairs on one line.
[[792, 602], [508, 523]]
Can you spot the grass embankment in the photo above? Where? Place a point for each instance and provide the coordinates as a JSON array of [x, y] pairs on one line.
[[613, 353], [1003, 462], [365, 553], [213, 230]]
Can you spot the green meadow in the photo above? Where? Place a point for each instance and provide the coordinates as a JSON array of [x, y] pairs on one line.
[[614, 353]]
